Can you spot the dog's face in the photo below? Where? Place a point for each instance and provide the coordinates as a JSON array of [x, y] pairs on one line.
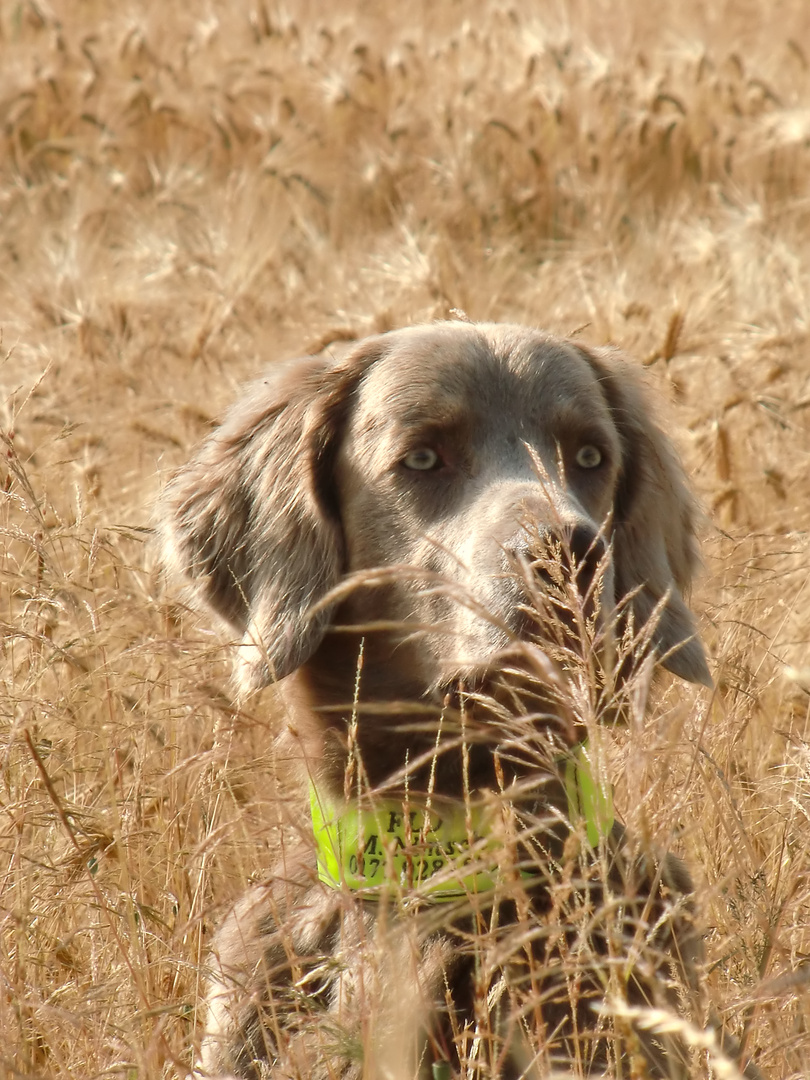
[[408, 490], [484, 449]]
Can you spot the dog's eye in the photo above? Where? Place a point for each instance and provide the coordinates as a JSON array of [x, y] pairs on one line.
[[424, 459], [588, 457]]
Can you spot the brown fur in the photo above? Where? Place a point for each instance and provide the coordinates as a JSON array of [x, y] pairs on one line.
[[303, 527]]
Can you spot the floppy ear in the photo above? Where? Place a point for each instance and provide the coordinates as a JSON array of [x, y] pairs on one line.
[[654, 546], [251, 521]]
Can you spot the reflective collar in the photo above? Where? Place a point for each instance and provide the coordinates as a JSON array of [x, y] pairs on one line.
[[590, 795], [436, 848]]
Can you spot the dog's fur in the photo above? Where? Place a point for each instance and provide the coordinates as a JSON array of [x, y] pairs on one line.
[[306, 523]]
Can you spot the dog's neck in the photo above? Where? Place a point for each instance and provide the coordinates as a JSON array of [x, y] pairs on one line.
[[374, 718], [372, 733], [394, 740]]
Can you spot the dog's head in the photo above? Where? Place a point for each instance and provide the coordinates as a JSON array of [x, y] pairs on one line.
[[412, 489]]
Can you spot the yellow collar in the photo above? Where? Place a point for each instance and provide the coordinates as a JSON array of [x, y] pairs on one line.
[[590, 795], [436, 848]]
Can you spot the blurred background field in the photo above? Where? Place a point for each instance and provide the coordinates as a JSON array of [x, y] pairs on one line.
[[189, 192]]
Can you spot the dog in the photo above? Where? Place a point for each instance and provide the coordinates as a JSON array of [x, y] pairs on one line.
[[455, 547]]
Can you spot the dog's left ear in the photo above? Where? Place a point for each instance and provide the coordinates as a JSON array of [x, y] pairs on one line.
[[654, 550]]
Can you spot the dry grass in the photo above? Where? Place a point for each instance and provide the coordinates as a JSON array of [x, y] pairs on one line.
[[190, 191]]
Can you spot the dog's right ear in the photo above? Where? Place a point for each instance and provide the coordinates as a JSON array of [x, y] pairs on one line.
[[252, 522]]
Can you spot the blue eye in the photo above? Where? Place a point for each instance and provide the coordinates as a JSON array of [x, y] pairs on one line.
[[423, 460], [588, 457]]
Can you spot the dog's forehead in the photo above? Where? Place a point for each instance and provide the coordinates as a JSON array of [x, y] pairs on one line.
[[433, 373]]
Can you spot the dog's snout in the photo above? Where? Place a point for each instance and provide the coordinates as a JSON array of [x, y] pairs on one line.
[[518, 548], [586, 549], [574, 552]]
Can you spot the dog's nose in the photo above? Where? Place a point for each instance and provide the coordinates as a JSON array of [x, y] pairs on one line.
[[587, 549], [578, 550]]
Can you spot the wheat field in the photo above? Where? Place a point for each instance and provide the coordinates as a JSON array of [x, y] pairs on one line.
[[190, 192]]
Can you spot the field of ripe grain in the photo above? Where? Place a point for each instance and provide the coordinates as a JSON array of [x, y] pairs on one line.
[[189, 192]]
